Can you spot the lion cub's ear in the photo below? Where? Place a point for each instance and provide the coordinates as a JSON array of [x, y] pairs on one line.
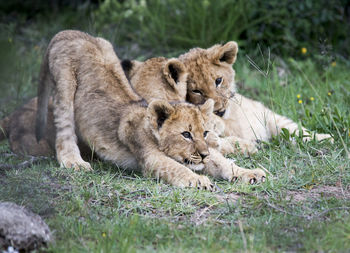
[[130, 67], [174, 72], [207, 108], [158, 112], [226, 53]]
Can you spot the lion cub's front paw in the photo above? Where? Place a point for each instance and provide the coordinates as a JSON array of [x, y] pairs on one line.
[[321, 137], [248, 147], [251, 176], [244, 146], [77, 163], [196, 181]]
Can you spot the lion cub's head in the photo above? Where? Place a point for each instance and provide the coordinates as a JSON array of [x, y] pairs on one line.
[[157, 78], [180, 131], [210, 75]]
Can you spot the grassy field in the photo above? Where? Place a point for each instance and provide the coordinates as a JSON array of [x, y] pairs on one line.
[[303, 206]]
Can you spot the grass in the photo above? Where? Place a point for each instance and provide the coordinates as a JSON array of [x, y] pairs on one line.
[[303, 206]]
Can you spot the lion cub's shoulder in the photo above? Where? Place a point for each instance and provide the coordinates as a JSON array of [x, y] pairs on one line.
[[157, 78]]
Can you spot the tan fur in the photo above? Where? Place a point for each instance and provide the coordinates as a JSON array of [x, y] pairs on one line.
[[19, 128], [257, 122], [242, 121], [75, 49], [204, 67], [93, 99], [158, 78], [245, 120]]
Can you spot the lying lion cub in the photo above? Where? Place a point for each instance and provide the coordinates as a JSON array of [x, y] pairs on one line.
[[241, 120], [93, 100]]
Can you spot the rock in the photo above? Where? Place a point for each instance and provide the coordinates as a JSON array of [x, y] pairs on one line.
[[22, 229]]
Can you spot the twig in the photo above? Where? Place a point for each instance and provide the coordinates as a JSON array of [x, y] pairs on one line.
[[26, 164], [133, 192], [286, 212], [264, 169], [132, 178], [309, 217], [218, 188], [243, 236], [6, 154], [196, 217], [331, 209]]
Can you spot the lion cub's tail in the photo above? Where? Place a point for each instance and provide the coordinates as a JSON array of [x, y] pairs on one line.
[[4, 128], [44, 91]]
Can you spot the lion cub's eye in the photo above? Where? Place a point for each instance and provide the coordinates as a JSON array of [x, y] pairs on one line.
[[187, 135], [218, 81], [205, 133], [197, 92]]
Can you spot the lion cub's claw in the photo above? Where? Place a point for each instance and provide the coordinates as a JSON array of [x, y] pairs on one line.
[[251, 176], [199, 181]]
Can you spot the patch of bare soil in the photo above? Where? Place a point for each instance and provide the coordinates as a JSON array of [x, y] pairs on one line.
[[318, 192], [229, 197]]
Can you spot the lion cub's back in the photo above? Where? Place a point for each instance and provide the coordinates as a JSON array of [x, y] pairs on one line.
[[248, 119]]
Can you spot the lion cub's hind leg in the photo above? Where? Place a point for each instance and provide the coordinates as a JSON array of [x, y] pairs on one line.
[[68, 154], [278, 122]]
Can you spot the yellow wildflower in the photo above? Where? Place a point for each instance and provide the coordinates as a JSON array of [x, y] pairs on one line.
[[329, 93], [333, 64], [298, 95], [10, 40], [300, 101], [303, 50], [206, 3], [103, 234], [312, 98]]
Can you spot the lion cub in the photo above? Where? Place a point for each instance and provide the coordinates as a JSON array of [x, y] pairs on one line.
[[211, 76], [74, 58], [93, 100], [19, 128]]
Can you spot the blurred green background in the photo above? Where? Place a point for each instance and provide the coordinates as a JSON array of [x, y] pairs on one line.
[[141, 29], [166, 25]]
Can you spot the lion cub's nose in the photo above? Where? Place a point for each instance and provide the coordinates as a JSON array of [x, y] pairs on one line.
[[203, 155]]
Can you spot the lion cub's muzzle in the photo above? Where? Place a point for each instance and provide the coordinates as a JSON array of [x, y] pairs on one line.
[[196, 161]]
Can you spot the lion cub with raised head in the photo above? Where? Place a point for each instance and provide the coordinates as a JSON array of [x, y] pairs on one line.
[[93, 98], [211, 76]]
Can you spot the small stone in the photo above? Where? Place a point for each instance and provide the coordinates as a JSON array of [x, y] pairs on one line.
[[20, 229]]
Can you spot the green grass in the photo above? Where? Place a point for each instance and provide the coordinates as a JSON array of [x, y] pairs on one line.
[[303, 206]]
